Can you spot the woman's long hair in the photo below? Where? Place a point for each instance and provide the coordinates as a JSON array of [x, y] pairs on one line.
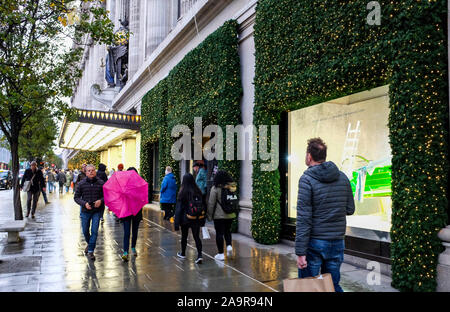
[[188, 188], [221, 178]]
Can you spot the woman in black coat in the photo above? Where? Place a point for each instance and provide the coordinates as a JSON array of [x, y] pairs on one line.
[[37, 183], [189, 194]]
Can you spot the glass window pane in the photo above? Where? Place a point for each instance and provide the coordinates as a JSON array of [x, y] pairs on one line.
[[357, 136]]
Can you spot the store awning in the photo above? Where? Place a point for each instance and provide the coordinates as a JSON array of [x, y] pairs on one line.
[[96, 130]]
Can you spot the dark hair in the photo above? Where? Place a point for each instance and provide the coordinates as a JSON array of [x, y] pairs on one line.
[[198, 164], [222, 177], [188, 188], [318, 149], [132, 168]]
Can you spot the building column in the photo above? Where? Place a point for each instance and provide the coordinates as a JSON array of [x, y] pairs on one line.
[[138, 151], [133, 54], [158, 23], [111, 7]]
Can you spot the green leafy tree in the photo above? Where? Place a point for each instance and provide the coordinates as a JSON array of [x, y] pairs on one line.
[[37, 137], [36, 71]]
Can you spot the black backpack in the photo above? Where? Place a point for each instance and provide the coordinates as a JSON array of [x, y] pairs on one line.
[[229, 201], [195, 209]]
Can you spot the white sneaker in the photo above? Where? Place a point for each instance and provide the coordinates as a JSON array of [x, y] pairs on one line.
[[229, 250], [179, 255], [220, 257]]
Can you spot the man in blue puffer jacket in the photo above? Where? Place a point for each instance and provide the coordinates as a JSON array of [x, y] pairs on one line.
[[325, 198], [168, 196]]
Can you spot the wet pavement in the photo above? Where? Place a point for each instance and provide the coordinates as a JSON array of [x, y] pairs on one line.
[[50, 257]]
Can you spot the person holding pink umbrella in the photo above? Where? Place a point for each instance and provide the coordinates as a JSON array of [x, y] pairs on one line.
[[125, 195], [130, 222]]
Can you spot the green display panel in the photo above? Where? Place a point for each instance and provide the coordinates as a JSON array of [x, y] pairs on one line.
[[377, 184]]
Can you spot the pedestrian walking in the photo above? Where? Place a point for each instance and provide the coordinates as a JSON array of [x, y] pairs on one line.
[[190, 213], [119, 168], [69, 177], [222, 205], [168, 195], [101, 174], [81, 175], [44, 193], [130, 224], [61, 180], [89, 195], [51, 180], [74, 181], [325, 198], [35, 183], [201, 179]]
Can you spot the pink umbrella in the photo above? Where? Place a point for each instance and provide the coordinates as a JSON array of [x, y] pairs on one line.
[[125, 193]]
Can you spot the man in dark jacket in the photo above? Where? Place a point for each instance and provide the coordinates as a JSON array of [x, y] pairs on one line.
[[325, 198], [61, 179], [37, 183], [89, 195], [101, 174]]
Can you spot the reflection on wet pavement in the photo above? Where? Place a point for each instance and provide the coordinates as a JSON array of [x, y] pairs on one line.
[[51, 258]]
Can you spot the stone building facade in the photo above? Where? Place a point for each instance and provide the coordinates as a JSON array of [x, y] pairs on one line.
[[163, 32]]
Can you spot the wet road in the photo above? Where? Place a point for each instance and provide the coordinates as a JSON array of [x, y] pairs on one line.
[[51, 258]]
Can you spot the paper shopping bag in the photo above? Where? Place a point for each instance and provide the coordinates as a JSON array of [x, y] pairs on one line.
[[320, 283], [205, 233]]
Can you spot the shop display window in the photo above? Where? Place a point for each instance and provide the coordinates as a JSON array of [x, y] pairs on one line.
[[356, 133]]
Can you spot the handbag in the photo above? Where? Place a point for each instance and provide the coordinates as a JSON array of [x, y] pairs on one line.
[[320, 283], [27, 184], [205, 233]]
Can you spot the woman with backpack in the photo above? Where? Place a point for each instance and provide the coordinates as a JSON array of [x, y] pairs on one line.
[[221, 206], [190, 213]]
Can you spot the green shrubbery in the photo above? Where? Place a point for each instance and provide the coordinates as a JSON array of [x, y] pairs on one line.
[[308, 52]]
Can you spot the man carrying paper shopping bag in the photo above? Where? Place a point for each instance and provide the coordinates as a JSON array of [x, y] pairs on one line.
[[325, 198]]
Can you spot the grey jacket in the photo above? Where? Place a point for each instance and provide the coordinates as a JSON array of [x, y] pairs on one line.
[[325, 198], [215, 211]]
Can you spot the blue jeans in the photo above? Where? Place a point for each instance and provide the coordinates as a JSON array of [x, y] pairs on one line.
[[45, 196], [90, 236], [129, 222], [324, 256], [50, 186]]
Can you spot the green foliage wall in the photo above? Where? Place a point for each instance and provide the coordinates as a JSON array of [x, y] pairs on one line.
[[206, 83], [84, 157], [308, 52]]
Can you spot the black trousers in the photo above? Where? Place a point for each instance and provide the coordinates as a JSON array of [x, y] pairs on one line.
[[195, 227], [168, 209], [223, 229], [35, 197]]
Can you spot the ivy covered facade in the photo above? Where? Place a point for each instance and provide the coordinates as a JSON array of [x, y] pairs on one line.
[[308, 52], [269, 58]]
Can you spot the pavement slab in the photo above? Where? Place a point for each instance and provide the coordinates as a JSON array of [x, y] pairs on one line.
[[50, 257]]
